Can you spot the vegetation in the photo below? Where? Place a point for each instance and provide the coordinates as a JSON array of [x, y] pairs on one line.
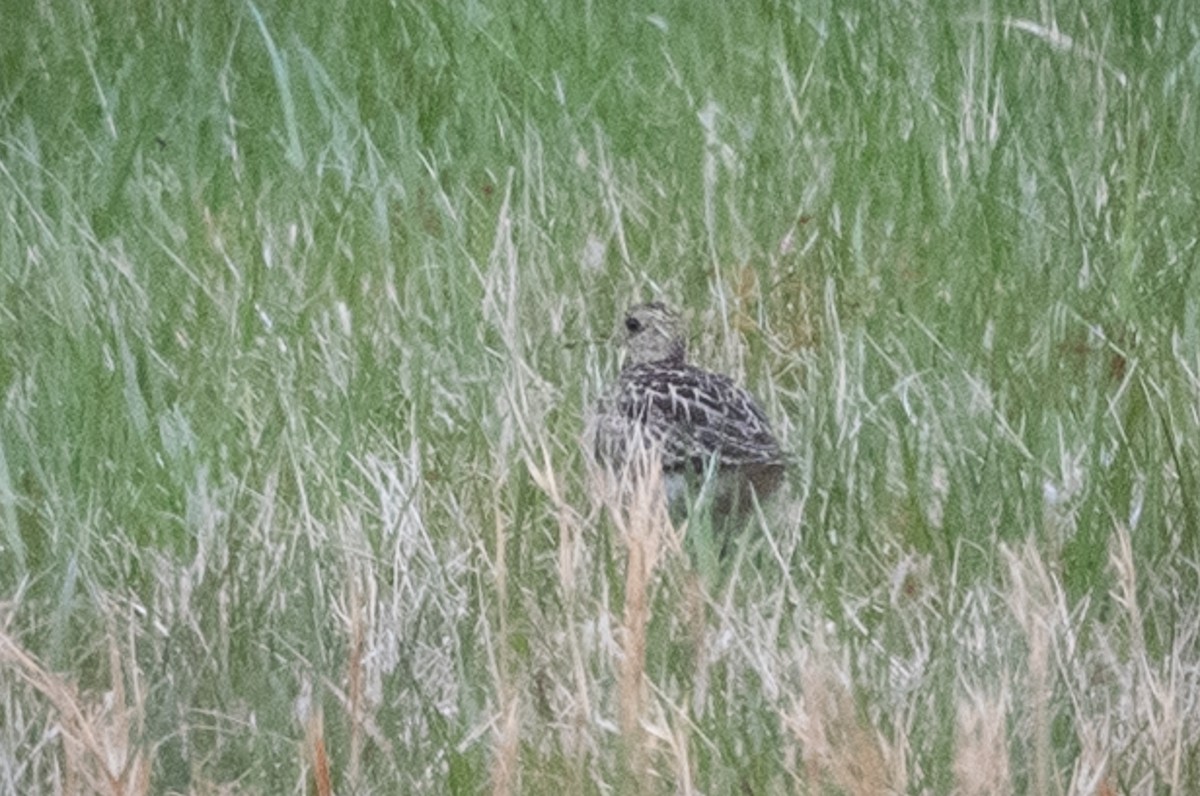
[[303, 307]]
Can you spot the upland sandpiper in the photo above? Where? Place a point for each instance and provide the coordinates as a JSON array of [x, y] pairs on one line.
[[698, 423]]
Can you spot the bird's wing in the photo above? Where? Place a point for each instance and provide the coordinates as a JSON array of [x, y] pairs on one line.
[[695, 415]]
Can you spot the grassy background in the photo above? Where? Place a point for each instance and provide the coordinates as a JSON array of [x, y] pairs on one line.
[[302, 310]]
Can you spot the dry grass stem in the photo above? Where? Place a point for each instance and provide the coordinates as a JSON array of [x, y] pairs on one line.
[[315, 753], [506, 747], [99, 734], [646, 533]]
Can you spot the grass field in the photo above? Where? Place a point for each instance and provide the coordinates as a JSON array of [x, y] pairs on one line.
[[302, 311]]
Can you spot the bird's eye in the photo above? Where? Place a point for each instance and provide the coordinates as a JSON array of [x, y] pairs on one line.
[[633, 325]]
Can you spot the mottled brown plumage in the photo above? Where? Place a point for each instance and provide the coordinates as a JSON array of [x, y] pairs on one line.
[[692, 418]]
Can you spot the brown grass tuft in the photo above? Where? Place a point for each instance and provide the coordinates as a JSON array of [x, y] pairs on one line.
[[98, 732], [981, 762], [839, 748], [1037, 602]]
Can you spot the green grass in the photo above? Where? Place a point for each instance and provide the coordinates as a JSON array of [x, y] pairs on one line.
[[303, 310]]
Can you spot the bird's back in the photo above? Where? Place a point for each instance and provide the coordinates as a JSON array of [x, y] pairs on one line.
[[695, 416]]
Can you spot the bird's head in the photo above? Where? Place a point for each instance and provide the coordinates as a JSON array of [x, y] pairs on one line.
[[653, 333]]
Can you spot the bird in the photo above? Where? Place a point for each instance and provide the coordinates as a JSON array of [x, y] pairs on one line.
[[698, 423]]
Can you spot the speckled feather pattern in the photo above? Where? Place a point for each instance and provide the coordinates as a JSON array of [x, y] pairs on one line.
[[690, 415]]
